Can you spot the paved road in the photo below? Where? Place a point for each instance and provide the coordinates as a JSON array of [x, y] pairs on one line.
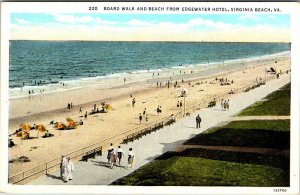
[[96, 171]]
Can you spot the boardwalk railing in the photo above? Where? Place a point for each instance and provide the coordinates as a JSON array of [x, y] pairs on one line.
[[94, 149], [125, 137]]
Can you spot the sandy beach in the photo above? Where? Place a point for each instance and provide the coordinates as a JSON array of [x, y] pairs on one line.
[[41, 109]]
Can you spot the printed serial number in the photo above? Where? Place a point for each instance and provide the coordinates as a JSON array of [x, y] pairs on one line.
[[279, 190], [93, 8]]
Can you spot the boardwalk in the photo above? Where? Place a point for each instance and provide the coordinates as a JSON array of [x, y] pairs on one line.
[[97, 171]]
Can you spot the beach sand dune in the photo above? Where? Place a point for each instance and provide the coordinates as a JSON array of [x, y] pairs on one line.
[[123, 117]]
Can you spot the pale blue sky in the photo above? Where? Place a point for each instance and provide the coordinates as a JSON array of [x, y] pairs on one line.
[[141, 24], [274, 20]]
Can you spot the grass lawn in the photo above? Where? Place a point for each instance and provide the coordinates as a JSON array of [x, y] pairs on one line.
[[277, 103], [200, 167], [254, 133]]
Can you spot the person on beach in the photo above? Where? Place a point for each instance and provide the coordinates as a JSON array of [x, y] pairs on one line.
[[222, 104], [120, 155], [144, 112], [180, 104], [225, 105], [131, 157], [198, 121], [228, 104], [69, 106], [29, 92], [63, 167], [146, 118], [85, 115], [124, 80], [80, 111], [177, 104], [133, 102], [70, 170], [141, 118]]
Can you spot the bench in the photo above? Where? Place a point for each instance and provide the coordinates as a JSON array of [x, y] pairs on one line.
[[92, 154]]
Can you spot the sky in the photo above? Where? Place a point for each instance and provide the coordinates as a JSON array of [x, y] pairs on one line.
[[151, 27]]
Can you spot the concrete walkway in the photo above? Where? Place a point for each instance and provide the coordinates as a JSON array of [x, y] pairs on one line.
[[97, 171]]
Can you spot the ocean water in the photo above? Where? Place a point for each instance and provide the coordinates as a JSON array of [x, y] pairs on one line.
[[45, 65]]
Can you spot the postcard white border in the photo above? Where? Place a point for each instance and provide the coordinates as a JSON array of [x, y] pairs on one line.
[[75, 7]]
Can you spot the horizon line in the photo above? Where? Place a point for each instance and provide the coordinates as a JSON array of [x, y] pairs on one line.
[[150, 41]]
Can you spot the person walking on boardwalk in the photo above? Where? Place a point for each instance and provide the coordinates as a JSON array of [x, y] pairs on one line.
[[63, 167], [113, 158], [222, 104], [198, 121], [70, 170], [228, 104], [131, 157], [109, 152], [225, 105], [120, 155]]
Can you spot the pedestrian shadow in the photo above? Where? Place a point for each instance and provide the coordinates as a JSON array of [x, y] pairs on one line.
[[189, 127], [169, 147], [101, 163], [54, 177]]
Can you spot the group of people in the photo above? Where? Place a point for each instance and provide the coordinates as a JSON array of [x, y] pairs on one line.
[[158, 110], [114, 156], [70, 105], [224, 81], [66, 169], [145, 115], [179, 104], [225, 104]]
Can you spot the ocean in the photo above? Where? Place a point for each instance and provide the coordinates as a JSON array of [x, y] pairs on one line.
[[52, 66]]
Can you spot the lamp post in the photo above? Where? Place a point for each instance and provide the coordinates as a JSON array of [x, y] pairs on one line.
[[184, 94], [265, 75]]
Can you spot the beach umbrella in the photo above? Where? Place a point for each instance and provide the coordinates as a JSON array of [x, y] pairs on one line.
[[25, 127], [40, 128], [108, 107], [69, 119], [72, 124], [60, 126], [22, 134]]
